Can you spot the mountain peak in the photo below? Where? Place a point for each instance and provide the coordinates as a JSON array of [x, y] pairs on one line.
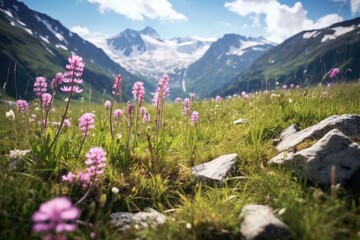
[[150, 32]]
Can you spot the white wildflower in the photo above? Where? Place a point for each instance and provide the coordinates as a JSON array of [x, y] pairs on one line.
[[114, 190], [10, 115], [17, 154]]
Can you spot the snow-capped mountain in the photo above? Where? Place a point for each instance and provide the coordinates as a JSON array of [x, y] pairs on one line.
[[40, 45], [145, 53], [225, 59], [304, 59]]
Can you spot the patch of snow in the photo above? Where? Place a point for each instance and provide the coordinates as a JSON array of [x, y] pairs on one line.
[[50, 28], [61, 46], [29, 31], [12, 23], [45, 39], [338, 31], [21, 23], [59, 36], [312, 34], [7, 12], [49, 50]]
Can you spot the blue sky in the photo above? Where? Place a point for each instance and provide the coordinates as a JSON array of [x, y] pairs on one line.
[[272, 19]]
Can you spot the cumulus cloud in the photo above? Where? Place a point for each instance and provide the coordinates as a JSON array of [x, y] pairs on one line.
[[355, 6], [138, 9], [282, 21]]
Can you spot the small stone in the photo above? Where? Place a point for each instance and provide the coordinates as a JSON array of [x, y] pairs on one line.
[[216, 169], [148, 218], [259, 222]]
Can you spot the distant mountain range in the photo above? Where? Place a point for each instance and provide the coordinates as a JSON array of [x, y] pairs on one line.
[[304, 59], [39, 46]]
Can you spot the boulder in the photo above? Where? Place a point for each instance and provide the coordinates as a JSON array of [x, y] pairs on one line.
[[216, 169], [349, 124], [148, 218], [259, 222], [315, 162]]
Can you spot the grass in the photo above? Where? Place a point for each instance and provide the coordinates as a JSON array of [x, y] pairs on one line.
[[194, 209]]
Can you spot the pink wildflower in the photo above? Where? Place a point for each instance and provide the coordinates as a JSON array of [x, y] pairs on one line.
[[284, 87], [55, 217], [246, 96], [73, 74], [69, 177], [107, 104], [292, 86], [145, 115], [162, 91], [218, 98], [329, 85], [117, 85], [177, 100], [194, 117], [40, 86], [22, 105], [117, 114], [96, 161], [46, 100], [130, 108], [334, 72], [57, 80], [67, 123], [186, 109], [86, 123], [243, 93], [139, 92]]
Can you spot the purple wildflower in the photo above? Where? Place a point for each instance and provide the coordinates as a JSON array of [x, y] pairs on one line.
[[117, 114], [55, 217], [162, 90], [57, 80], [243, 93], [40, 86], [117, 85], [107, 104], [186, 110], [334, 72], [73, 74], [86, 123], [145, 115], [96, 161], [22, 105], [218, 98], [192, 96], [130, 108], [284, 87], [178, 100], [46, 100], [67, 123], [139, 92], [292, 86], [194, 117]]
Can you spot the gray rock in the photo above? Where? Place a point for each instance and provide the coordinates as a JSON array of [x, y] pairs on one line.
[[148, 218], [259, 222], [349, 124], [216, 169], [315, 162], [240, 121]]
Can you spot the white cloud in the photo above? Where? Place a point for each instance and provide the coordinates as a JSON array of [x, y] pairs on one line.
[[282, 21], [138, 9], [355, 6], [81, 31]]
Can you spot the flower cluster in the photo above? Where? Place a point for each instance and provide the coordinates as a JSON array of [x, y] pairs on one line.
[[96, 161], [130, 108], [186, 110], [195, 117], [40, 86], [57, 80], [192, 97], [73, 74], [17, 154], [145, 115], [10, 115], [178, 100], [46, 100], [139, 92], [86, 123], [334, 72], [218, 98], [55, 217], [107, 104], [22, 105], [162, 90], [117, 85], [117, 114]]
